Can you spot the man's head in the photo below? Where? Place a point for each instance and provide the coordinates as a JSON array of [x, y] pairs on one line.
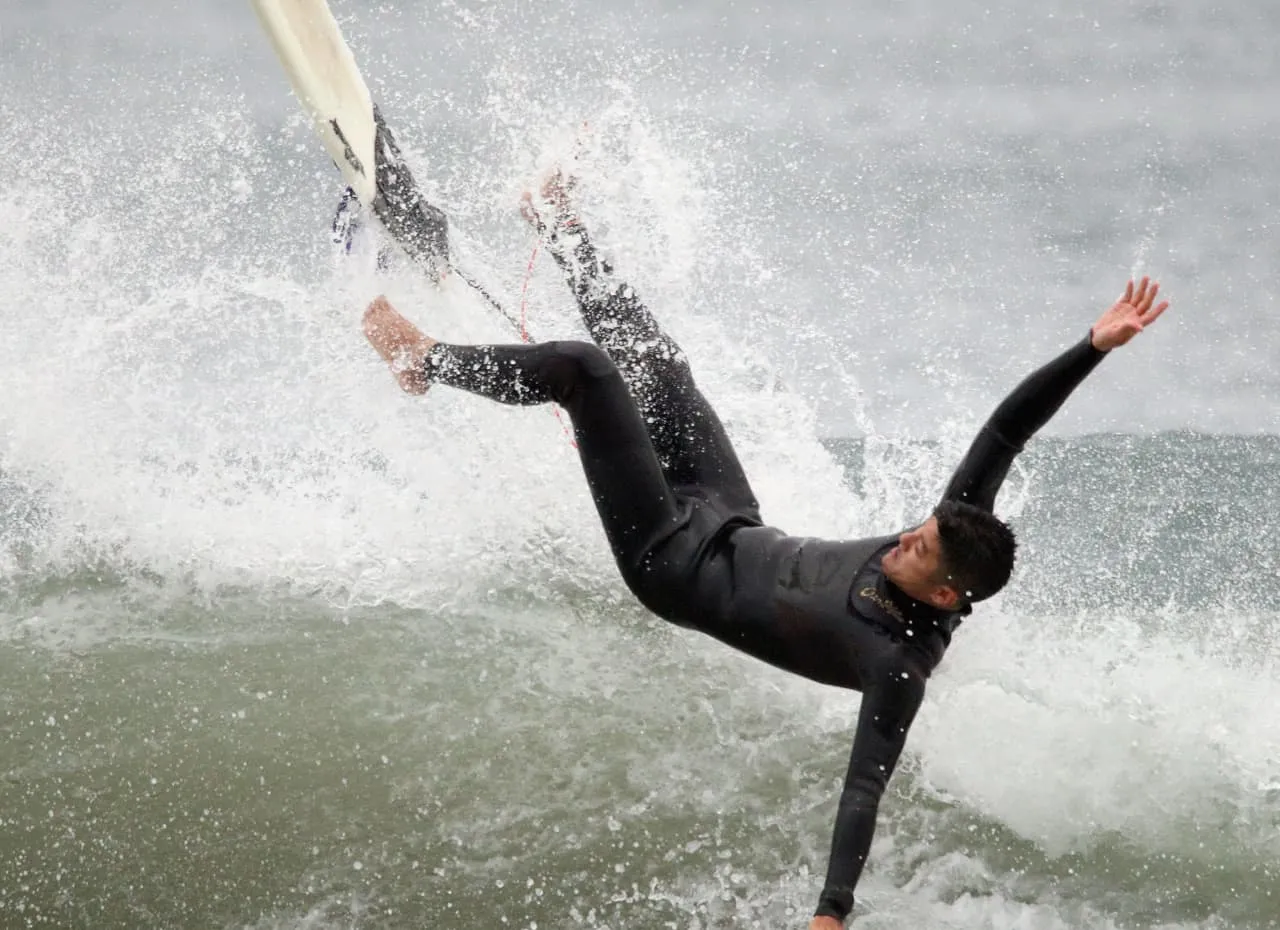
[[960, 555]]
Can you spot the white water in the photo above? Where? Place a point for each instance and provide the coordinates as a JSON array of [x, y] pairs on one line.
[[190, 409]]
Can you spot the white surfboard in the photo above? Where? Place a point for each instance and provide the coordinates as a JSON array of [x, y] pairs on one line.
[[328, 83], [331, 89]]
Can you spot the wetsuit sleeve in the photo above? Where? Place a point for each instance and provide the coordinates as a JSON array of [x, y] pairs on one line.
[[888, 708], [1020, 415]]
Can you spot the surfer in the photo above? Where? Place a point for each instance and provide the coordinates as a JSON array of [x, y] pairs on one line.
[[874, 615]]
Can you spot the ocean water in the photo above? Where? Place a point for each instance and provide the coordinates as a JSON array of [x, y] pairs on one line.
[[283, 648]]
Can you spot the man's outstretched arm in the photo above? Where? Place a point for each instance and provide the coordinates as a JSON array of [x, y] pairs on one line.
[[1034, 402], [888, 708]]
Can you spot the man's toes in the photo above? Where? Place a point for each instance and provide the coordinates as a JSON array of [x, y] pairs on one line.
[[530, 212]]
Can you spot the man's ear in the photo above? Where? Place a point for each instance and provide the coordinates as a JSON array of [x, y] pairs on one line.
[[945, 597]]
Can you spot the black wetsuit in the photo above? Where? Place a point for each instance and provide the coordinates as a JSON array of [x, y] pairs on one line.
[[687, 534]]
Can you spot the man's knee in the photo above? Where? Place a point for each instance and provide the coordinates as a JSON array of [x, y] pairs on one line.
[[587, 358], [575, 365]]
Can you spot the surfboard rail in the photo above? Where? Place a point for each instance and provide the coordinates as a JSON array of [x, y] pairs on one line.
[[328, 84]]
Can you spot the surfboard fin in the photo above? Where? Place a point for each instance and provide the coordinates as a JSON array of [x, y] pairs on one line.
[[421, 228]]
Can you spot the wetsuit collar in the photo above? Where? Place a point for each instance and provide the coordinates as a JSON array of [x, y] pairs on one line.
[[881, 601]]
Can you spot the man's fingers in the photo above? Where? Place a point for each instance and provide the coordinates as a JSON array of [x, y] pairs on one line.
[[1140, 294], [1149, 297], [1150, 316], [1136, 310]]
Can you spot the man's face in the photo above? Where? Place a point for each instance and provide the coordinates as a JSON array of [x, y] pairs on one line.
[[915, 566]]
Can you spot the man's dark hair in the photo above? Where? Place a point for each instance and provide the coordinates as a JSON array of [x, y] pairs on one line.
[[977, 550]]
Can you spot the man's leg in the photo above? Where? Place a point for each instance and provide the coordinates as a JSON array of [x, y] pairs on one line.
[[688, 436], [636, 505]]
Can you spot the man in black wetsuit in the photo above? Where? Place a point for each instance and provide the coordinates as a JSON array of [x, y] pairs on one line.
[[874, 615]]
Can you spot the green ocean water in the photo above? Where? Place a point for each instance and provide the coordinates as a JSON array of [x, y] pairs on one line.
[[1091, 754]]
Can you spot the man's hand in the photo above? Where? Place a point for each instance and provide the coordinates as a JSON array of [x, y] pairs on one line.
[[1131, 314], [825, 923], [401, 344]]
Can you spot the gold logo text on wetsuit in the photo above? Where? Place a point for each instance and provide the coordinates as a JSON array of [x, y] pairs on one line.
[[883, 603]]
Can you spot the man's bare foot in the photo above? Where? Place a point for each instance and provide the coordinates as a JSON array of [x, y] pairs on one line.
[[555, 193], [402, 345]]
